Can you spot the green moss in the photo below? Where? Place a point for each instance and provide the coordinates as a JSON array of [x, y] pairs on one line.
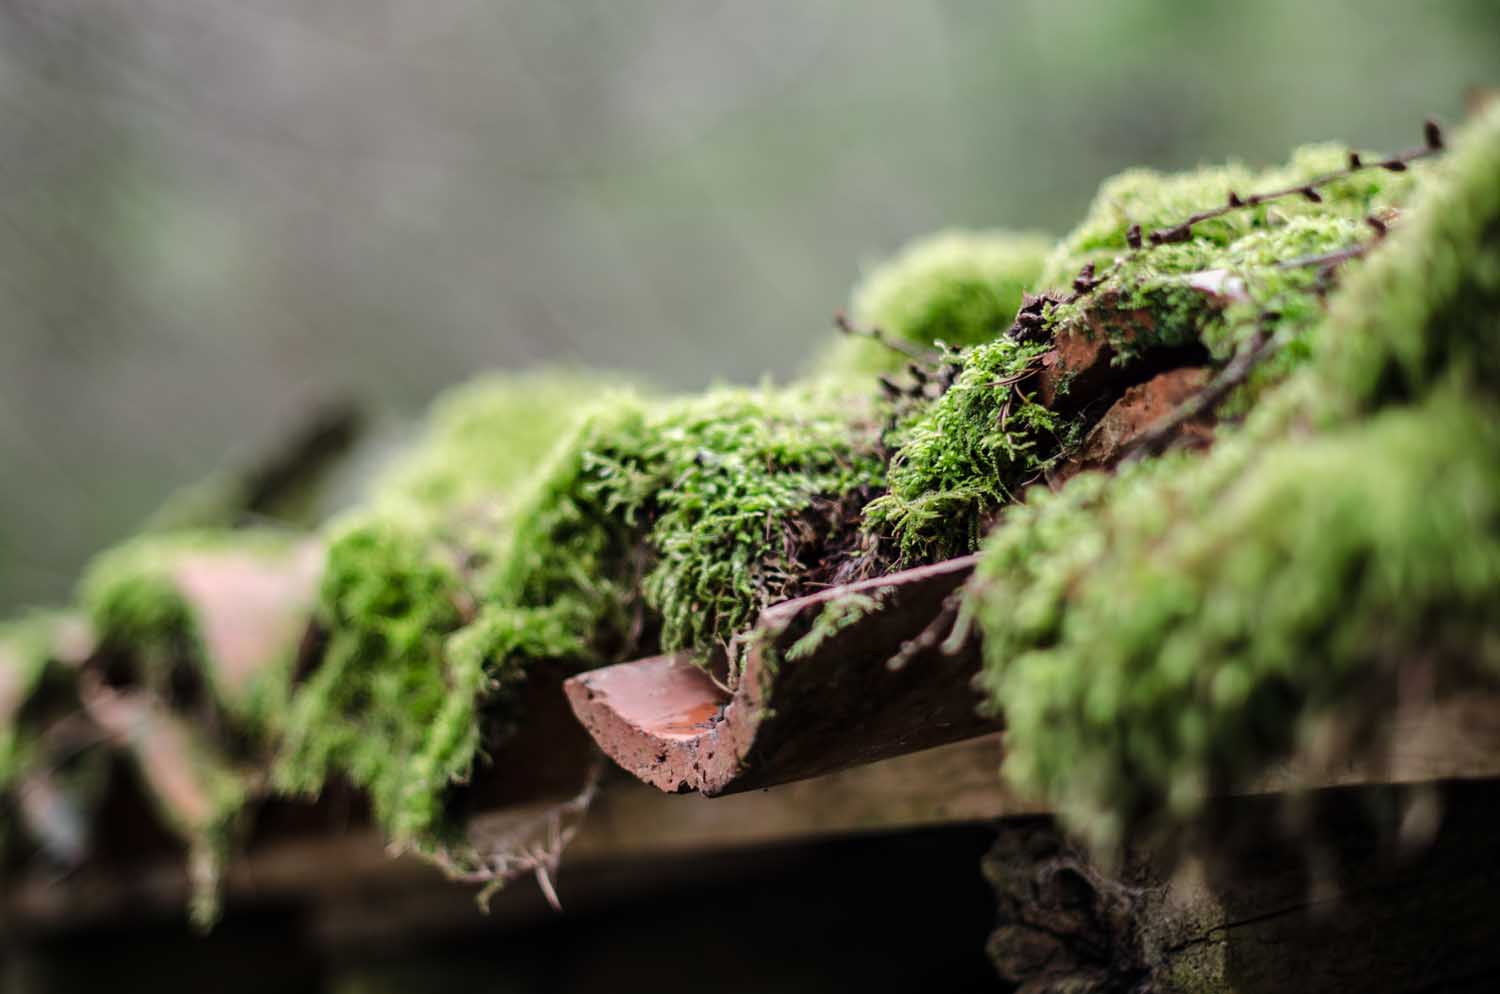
[[484, 437], [39, 653], [1166, 632], [396, 703], [1156, 281], [1152, 200], [679, 519], [714, 506], [136, 601], [964, 455], [958, 288], [388, 605], [1141, 660], [1148, 298], [1424, 308]]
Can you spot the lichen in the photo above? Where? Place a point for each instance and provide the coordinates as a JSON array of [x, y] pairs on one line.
[[1168, 631], [957, 288]]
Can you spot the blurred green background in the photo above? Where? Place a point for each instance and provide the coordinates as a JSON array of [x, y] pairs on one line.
[[217, 214]]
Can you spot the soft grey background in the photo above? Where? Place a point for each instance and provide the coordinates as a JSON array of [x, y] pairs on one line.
[[214, 214]]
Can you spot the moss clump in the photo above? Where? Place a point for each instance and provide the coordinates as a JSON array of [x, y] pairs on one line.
[[194, 753], [1140, 661], [196, 788], [404, 576], [1426, 306], [965, 454], [957, 288], [1166, 632], [1156, 282], [715, 505], [1155, 200], [39, 733], [669, 522], [849, 608], [1159, 296], [485, 436], [961, 458], [388, 606]]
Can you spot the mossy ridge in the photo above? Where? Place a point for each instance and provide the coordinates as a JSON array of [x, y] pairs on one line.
[[714, 506], [1426, 307], [1142, 661], [1246, 248], [391, 706], [1153, 199], [670, 521], [966, 455], [956, 288]]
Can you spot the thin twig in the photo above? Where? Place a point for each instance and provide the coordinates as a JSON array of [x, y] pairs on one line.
[[1087, 282], [915, 353], [1183, 230], [1334, 258], [1009, 381]]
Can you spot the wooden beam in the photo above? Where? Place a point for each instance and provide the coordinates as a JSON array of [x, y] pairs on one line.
[[325, 859], [629, 822]]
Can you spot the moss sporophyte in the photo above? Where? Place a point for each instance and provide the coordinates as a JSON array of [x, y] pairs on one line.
[[1151, 632]]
